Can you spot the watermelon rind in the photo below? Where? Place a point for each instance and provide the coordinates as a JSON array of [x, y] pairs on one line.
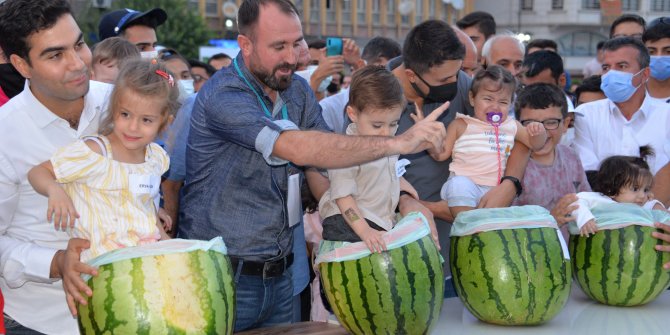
[[180, 293], [620, 267], [511, 276], [399, 291]]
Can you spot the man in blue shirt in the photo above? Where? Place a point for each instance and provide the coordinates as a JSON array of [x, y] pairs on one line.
[[253, 123]]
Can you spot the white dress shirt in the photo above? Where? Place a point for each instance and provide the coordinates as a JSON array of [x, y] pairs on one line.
[[30, 134], [569, 135], [602, 131], [334, 110]]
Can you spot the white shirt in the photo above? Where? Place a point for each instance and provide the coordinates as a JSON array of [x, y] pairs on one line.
[[333, 110], [602, 131], [569, 135], [30, 134]]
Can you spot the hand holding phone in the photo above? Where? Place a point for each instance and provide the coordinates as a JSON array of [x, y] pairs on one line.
[[333, 46]]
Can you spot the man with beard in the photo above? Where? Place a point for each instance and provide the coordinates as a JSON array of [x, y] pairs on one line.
[[253, 124]]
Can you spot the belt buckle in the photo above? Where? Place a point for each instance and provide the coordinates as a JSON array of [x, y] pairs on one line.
[[273, 268]]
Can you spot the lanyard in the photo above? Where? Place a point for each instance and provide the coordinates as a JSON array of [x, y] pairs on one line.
[[284, 111]]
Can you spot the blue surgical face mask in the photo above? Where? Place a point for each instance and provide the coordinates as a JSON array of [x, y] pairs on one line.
[[660, 67], [618, 85], [187, 86]]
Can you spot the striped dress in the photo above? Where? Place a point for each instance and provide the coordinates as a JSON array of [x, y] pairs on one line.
[[116, 201]]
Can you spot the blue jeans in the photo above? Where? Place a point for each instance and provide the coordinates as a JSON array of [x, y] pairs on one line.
[[262, 302], [14, 328]]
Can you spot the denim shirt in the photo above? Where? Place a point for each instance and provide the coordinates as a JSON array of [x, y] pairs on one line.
[[234, 186]]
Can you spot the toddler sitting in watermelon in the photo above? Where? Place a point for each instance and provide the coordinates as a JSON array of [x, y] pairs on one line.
[[361, 203], [620, 179]]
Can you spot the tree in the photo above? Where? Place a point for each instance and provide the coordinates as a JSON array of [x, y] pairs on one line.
[[184, 30]]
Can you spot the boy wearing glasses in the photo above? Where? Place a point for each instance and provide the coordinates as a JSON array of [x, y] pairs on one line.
[[555, 169]]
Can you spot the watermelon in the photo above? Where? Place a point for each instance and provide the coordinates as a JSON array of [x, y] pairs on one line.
[[620, 267], [511, 276], [399, 291], [178, 293]]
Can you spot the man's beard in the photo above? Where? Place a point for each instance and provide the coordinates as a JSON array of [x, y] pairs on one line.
[[270, 79]]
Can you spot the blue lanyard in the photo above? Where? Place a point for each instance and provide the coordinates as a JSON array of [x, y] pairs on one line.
[[284, 111]]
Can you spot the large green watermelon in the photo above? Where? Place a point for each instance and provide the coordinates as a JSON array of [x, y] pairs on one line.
[[620, 267], [180, 293], [511, 276], [399, 291]]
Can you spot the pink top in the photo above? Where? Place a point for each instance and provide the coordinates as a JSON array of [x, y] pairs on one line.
[[544, 185], [474, 154]]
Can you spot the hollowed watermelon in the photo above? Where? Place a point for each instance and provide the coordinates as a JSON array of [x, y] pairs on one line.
[[177, 293], [511, 276], [620, 267], [399, 291]]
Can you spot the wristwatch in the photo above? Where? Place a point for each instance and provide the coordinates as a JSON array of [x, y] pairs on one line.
[[516, 182]]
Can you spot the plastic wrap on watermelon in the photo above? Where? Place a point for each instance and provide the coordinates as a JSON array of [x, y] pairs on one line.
[[170, 287], [398, 291], [619, 265], [510, 266], [619, 215]]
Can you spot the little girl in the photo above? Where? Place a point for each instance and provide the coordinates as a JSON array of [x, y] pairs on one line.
[[110, 182], [479, 145], [623, 179], [361, 201]]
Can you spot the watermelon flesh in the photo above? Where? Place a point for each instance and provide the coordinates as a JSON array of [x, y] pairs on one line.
[[511, 276], [180, 293], [399, 291], [620, 267]]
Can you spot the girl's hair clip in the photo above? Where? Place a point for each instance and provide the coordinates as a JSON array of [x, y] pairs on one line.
[[166, 76]]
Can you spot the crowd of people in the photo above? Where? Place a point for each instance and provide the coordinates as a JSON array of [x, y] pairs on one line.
[[127, 145]]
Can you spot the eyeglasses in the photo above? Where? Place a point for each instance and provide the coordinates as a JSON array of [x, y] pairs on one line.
[[198, 78], [549, 124], [660, 20]]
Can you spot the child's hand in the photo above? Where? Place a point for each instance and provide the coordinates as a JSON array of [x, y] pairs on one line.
[[535, 129], [373, 239], [61, 210], [589, 228], [164, 219]]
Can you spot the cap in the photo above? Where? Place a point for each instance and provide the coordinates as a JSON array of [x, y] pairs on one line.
[[116, 21]]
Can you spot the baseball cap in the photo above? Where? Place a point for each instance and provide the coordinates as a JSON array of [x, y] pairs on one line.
[[116, 21]]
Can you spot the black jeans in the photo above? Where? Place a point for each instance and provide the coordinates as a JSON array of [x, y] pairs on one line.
[[335, 228], [14, 328]]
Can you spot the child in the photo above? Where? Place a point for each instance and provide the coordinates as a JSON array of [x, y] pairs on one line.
[[361, 201], [623, 179], [481, 144], [554, 170], [109, 56], [110, 182]]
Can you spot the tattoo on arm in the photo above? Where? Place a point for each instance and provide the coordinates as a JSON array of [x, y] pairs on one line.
[[351, 215]]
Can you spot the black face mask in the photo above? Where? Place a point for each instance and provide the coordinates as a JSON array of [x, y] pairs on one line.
[[333, 88], [11, 80], [439, 94]]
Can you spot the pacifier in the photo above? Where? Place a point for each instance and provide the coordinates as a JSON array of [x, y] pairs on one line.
[[494, 118]]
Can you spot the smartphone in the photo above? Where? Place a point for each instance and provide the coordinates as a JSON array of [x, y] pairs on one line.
[[333, 46]]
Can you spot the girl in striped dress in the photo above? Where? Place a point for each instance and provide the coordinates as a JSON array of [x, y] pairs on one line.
[[105, 188]]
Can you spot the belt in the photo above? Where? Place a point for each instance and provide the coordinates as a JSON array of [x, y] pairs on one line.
[[268, 269]]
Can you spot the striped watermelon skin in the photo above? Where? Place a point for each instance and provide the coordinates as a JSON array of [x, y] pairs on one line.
[[181, 293], [399, 291], [511, 276], [620, 267]]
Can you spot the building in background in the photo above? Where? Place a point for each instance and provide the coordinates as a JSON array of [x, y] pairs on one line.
[[576, 25]]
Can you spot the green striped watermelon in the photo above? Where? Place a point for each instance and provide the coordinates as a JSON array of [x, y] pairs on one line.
[[399, 291], [620, 267], [511, 276], [180, 293]]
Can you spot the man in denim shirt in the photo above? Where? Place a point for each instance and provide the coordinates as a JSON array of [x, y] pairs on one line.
[[249, 121]]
